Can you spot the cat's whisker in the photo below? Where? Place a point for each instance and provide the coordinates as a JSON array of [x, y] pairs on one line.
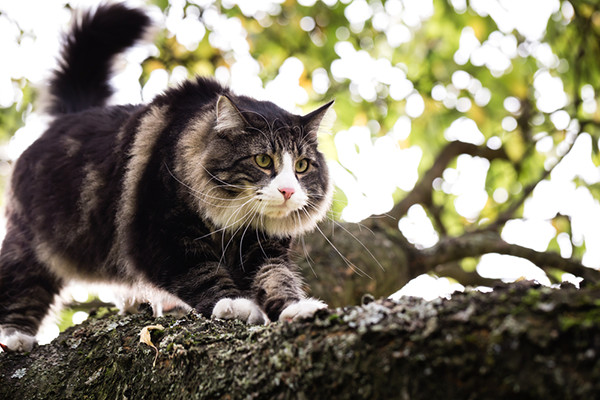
[[309, 204], [306, 255], [231, 206], [220, 180], [259, 243], [305, 138], [234, 202], [260, 115], [202, 196], [331, 214], [227, 224], [336, 201], [242, 238], [279, 129], [192, 190], [246, 218], [382, 216], [350, 265], [262, 220], [239, 209], [261, 132], [270, 124], [211, 233], [361, 243], [230, 185], [222, 203], [225, 247], [237, 190], [207, 195]]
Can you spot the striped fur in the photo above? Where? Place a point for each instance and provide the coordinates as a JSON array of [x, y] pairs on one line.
[[161, 198]]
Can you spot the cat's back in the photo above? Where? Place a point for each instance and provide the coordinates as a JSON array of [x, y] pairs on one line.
[[73, 172], [93, 138]]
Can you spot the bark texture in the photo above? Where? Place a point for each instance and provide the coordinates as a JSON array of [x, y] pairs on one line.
[[520, 341]]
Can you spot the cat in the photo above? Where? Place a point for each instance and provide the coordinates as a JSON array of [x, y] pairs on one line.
[[196, 196]]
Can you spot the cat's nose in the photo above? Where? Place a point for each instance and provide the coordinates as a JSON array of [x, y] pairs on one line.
[[286, 192]]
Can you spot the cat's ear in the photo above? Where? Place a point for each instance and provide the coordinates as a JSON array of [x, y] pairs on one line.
[[229, 116], [318, 119]]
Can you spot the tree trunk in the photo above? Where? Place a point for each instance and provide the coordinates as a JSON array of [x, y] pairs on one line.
[[520, 341]]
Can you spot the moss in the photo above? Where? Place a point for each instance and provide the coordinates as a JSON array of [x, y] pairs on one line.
[[586, 320], [532, 297]]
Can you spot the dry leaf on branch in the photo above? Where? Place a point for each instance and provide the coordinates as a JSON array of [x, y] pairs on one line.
[[145, 338]]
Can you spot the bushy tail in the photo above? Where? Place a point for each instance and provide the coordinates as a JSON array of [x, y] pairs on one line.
[[81, 79]]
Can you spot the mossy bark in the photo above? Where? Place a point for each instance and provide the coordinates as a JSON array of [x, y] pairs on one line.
[[521, 341]]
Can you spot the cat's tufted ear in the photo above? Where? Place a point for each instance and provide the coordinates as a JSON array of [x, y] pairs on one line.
[[229, 116], [315, 121]]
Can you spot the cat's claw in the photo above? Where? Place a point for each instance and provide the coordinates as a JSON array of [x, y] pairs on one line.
[[243, 309], [304, 308]]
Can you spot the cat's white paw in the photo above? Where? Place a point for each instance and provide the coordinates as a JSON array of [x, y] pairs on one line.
[[304, 308], [243, 309], [16, 340]]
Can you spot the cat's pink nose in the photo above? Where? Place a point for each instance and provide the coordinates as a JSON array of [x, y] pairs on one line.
[[286, 192]]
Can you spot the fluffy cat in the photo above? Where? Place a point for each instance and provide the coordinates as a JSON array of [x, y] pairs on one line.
[[195, 196]]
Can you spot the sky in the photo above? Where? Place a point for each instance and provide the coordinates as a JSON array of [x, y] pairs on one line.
[[357, 173]]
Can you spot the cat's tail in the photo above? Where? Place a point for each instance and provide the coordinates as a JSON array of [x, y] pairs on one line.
[[81, 79]]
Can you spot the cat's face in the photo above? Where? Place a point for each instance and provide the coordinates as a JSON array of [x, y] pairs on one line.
[[262, 170]]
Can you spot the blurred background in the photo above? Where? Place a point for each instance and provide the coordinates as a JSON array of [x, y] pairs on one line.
[[466, 135]]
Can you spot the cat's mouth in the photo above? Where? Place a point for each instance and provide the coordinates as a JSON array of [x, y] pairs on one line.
[[282, 210]]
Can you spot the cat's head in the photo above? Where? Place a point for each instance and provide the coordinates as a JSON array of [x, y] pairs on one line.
[[260, 168]]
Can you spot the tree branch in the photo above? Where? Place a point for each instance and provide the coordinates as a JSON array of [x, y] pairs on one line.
[[479, 243], [475, 345], [421, 193], [509, 212]]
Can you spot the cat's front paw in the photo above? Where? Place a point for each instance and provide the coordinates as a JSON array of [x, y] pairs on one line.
[[304, 308], [243, 309], [16, 340]]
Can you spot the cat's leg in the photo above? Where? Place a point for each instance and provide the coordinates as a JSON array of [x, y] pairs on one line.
[[27, 291], [278, 289], [210, 289]]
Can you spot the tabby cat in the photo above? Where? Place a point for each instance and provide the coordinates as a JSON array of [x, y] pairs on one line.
[[196, 196]]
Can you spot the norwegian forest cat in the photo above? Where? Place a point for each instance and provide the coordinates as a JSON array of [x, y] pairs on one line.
[[194, 197]]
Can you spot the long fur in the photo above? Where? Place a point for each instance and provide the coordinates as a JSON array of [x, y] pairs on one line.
[[166, 195], [81, 80]]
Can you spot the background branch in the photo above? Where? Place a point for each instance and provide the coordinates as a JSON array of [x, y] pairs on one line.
[[421, 193], [479, 243]]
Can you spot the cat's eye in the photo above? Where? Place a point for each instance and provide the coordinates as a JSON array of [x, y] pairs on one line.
[[301, 165], [263, 160]]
